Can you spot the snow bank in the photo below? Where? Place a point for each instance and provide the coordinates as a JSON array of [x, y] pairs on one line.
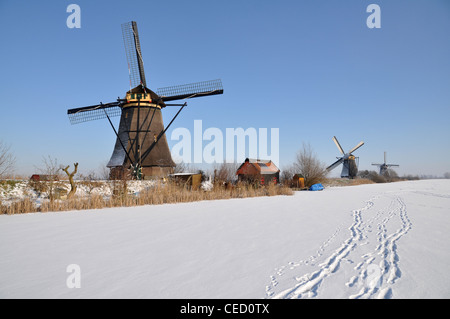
[[367, 241], [23, 189]]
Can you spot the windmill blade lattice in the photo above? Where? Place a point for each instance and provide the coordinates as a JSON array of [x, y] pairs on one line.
[[356, 147], [95, 112], [338, 145], [134, 55], [338, 162], [187, 91]]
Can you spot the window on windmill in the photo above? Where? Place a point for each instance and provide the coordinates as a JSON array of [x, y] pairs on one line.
[[137, 96]]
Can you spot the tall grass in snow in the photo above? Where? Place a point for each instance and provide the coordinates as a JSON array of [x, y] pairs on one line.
[[159, 194]]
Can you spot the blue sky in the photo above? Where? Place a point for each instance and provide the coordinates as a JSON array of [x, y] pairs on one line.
[[313, 69]]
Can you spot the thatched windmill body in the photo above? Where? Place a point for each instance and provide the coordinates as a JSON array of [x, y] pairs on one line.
[[141, 147]]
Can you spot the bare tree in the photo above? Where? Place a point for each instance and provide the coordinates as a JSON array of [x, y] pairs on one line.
[[7, 160], [307, 164], [226, 172], [181, 167], [103, 171], [52, 174], [390, 175], [287, 173], [50, 167]]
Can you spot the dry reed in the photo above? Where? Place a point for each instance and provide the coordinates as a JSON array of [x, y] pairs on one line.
[[160, 194]]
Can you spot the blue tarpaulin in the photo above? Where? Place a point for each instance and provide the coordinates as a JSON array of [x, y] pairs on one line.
[[316, 187]]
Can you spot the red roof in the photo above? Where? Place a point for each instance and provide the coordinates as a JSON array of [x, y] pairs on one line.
[[256, 166]]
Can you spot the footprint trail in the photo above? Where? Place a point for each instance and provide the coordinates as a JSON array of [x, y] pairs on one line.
[[369, 253]]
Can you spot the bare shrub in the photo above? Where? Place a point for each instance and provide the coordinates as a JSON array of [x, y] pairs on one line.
[[390, 175], [410, 177], [307, 164], [287, 173], [181, 168], [102, 173], [52, 170], [225, 173], [90, 181], [373, 176]]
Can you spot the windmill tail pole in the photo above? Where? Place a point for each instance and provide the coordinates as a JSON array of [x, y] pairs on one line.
[[73, 187]]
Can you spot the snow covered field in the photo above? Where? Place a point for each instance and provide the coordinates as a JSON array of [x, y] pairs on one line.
[[367, 241]]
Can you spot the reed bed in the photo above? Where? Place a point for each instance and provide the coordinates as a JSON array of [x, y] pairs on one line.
[[157, 195]]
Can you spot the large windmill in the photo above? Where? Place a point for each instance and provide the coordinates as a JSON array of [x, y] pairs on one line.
[[348, 160], [141, 146], [384, 167]]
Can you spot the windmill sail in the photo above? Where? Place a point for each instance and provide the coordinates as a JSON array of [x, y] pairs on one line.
[[338, 145], [332, 166], [94, 112], [134, 55], [356, 147], [188, 91]]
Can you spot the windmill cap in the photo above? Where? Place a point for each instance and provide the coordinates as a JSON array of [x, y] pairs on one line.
[[155, 97]]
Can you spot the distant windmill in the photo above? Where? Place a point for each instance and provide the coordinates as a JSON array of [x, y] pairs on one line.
[[384, 167], [348, 160]]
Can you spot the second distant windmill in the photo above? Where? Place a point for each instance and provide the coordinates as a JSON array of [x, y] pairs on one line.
[[384, 167]]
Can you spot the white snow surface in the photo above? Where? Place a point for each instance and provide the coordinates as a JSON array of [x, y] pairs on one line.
[[367, 241]]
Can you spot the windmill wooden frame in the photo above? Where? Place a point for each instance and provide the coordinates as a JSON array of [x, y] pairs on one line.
[[141, 148]]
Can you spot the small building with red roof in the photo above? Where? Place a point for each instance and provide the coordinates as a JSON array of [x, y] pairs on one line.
[[256, 170]]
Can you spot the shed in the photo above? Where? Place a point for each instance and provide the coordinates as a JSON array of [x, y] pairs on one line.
[[256, 170], [193, 180], [298, 181], [40, 177]]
